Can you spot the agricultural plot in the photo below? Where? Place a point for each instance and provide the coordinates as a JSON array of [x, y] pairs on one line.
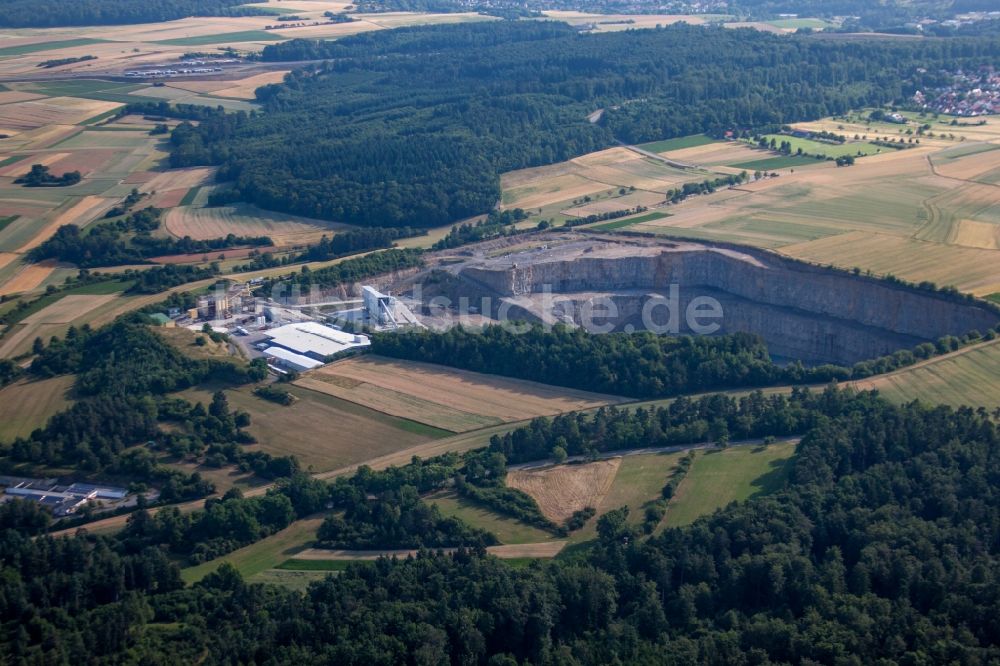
[[322, 431], [629, 221], [732, 475], [265, 554], [245, 220], [226, 38], [431, 393], [507, 530], [562, 490], [245, 88], [37, 113], [889, 213], [967, 377], [27, 405], [680, 143], [599, 182]]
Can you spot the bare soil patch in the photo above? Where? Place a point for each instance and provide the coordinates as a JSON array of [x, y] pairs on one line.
[[564, 489]]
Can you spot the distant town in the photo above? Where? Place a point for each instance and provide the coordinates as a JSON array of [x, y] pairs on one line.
[[970, 94]]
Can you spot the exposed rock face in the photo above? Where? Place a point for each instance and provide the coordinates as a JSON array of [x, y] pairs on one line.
[[804, 312]]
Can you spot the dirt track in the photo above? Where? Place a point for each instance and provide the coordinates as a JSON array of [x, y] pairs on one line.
[[535, 550]]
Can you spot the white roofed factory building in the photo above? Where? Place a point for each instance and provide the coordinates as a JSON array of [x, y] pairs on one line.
[[309, 344]]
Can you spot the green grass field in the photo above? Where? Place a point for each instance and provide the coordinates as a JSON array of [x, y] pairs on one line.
[[719, 477], [812, 147], [294, 564], [11, 160], [629, 221], [190, 196], [265, 554], [638, 482], [508, 530], [24, 49], [226, 38], [4, 221], [26, 405], [779, 162], [969, 378], [796, 23], [677, 144]]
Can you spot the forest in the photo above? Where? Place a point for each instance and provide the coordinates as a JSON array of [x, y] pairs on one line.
[[55, 13], [412, 127], [881, 549], [637, 365]]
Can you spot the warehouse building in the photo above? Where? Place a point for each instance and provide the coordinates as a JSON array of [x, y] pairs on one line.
[[310, 340]]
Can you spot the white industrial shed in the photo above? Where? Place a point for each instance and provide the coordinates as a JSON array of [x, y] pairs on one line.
[[291, 360], [314, 340]]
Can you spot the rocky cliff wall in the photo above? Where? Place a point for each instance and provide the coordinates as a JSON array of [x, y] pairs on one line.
[[803, 311]]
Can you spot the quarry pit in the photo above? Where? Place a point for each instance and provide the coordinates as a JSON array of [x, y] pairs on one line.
[[804, 312]]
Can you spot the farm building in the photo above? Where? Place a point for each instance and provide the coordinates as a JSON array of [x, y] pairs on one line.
[[63, 500], [314, 340], [160, 319]]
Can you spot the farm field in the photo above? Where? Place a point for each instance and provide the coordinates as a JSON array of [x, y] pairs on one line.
[[324, 432], [245, 220], [680, 143], [507, 530], [444, 396], [629, 221], [897, 213], [562, 490], [967, 377], [600, 182], [718, 477], [265, 554], [55, 316], [26, 405]]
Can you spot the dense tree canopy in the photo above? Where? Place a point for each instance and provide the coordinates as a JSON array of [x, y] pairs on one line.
[[412, 127], [882, 549], [51, 13]]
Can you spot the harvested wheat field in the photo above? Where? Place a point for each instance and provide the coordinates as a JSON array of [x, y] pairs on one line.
[[52, 111], [396, 403], [245, 88], [69, 308], [638, 198], [21, 167], [564, 489], [79, 213], [461, 390], [27, 278], [967, 165], [246, 220], [716, 154]]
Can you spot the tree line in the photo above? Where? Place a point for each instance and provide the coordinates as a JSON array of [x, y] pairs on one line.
[[51, 13], [637, 365], [128, 241]]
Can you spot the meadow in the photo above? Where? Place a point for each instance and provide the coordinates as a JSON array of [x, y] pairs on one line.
[[27, 405], [507, 530], [968, 377], [718, 477]]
